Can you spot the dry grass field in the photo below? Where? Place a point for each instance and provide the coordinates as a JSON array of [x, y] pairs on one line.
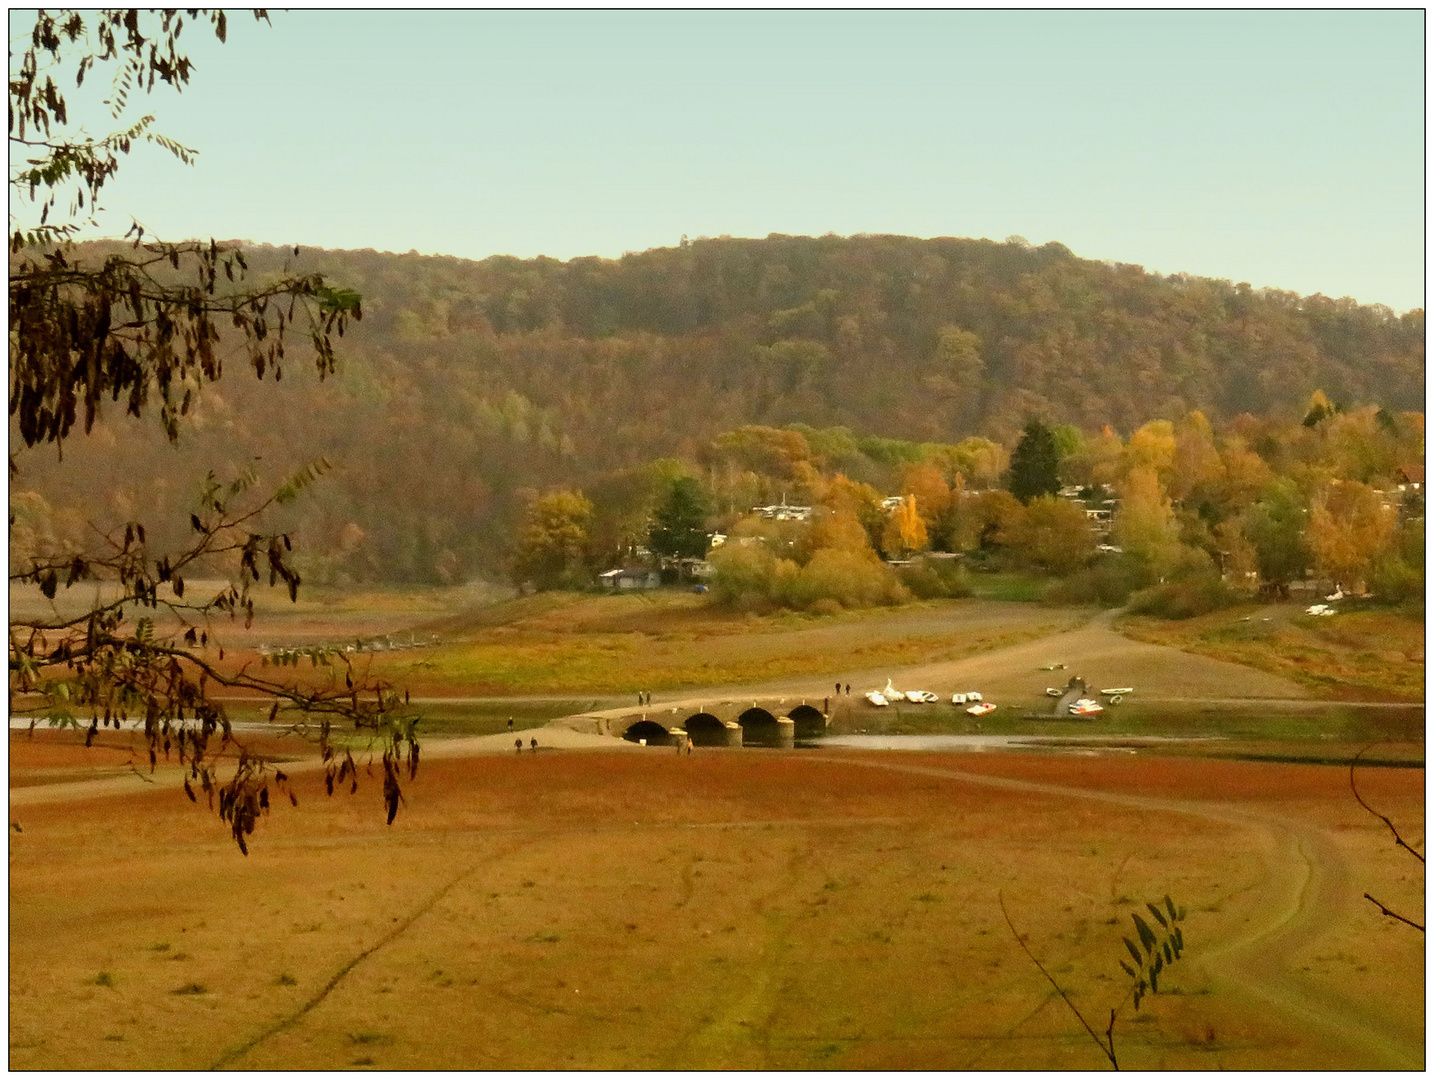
[[732, 909], [1370, 655], [602, 645], [623, 908]]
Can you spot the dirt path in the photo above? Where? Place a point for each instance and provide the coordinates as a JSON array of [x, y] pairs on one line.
[[1094, 651], [1307, 885]]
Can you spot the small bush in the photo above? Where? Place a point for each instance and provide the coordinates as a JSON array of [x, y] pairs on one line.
[[935, 579], [104, 978], [749, 578], [825, 606], [1393, 581], [1184, 599], [1108, 582]]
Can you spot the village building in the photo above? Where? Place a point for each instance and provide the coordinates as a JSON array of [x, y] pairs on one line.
[[637, 577]]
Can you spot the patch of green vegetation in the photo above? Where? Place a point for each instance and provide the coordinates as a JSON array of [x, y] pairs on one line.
[[1008, 585], [104, 978], [190, 988], [1319, 724], [1371, 654], [286, 980]]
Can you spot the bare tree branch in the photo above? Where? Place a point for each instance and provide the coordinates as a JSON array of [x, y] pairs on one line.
[[1393, 914], [1108, 1047], [1399, 840]]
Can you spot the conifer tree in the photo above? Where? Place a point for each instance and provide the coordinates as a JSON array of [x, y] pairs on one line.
[[1034, 463]]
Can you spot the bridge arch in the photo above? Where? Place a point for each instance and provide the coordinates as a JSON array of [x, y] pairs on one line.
[[706, 730], [759, 727], [656, 734], [809, 721]]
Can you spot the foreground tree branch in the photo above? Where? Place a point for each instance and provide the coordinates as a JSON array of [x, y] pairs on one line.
[[112, 662], [1108, 1046], [139, 321], [1399, 840], [1154, 953]]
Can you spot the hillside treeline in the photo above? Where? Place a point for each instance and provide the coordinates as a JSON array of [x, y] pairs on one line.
[[470, 387], [1194, 516]]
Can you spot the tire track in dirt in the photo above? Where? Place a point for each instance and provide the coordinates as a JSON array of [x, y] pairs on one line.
[[232, 1055], [1307, 881], [745, 1018]]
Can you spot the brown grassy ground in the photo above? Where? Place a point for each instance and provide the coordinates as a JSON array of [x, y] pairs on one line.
[[1371, 655], [586, 645], [741, 909]]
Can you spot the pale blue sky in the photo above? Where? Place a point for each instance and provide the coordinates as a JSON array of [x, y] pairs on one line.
[[1283, 148]]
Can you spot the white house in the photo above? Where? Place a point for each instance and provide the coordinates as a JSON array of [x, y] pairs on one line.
[[630, 578]]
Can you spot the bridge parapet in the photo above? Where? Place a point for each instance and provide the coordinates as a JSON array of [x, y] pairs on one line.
[[729, 722]]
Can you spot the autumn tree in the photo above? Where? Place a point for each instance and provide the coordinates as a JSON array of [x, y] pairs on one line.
[[1196, 466], [839, 530], [1152, 446], [553, 541], [1350, 529], [1050, 534], [1144, 524], [905, 532], [1320, 409], [144, 325], [980, 518], [925, 484], [860, 501], [981, 461]]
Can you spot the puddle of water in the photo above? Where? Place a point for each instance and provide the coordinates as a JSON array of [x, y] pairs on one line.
[[976, 743]]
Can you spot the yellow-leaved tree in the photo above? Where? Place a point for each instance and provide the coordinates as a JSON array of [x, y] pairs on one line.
[[553, 540], [1350, 528], [905, 532], [1145, 523]]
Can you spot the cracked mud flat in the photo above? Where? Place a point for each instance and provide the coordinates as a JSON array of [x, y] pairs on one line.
[[764, 910]]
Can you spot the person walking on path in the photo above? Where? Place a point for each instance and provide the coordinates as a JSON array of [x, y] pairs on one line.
[[689, 744], [518, 745], [510, 725], [534, 744]]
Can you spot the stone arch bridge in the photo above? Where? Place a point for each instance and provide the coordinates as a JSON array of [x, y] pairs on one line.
[[759, 721]]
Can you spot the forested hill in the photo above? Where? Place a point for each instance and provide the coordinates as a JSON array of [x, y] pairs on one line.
[[466, 381], [888, 335]]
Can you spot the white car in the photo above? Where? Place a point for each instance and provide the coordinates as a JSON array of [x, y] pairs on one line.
[[971, 695], [958, 699], [877, 698], [981, 709], [921, 697]]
